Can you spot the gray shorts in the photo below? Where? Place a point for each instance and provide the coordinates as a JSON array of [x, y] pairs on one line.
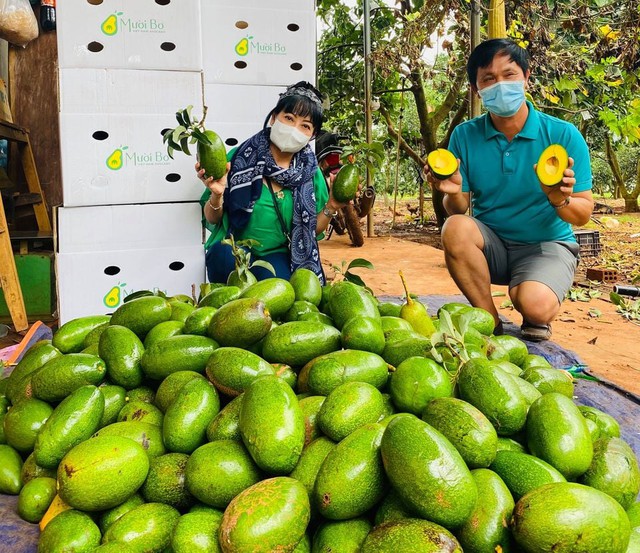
[[551, 263]]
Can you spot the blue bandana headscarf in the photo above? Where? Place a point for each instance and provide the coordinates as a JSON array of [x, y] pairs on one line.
[[254, 161]]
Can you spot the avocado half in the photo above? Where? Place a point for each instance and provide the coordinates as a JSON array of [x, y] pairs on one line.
[[552, 164], [442, 163]]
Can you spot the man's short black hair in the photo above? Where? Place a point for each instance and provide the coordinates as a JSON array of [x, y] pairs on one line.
[[484, 53]]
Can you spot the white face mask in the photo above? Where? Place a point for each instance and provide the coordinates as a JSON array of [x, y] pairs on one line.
[[287, 138]]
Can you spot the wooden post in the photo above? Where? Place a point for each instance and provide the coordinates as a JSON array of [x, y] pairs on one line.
[[9, 277]]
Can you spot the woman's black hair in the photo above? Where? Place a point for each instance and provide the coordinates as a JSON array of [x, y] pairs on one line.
[[483, 55], [301, 99]]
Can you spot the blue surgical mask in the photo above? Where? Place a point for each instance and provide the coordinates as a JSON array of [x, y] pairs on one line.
[[503, 98]]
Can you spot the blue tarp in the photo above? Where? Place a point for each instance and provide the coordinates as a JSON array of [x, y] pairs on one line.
[[18, 536]]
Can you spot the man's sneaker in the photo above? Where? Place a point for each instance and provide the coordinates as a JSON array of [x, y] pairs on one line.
[[535, 333]]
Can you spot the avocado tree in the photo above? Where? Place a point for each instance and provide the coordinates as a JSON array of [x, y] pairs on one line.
[[404, 80]]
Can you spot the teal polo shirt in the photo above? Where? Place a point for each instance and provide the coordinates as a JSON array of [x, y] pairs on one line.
[[506, 193]]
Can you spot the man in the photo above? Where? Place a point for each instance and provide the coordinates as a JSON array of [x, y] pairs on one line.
[[520, 232]]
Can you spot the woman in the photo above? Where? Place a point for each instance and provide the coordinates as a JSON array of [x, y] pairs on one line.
[[273, 193]]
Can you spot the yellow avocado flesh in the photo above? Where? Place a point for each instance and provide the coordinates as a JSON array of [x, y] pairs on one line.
[[552, 164], [442, 163]]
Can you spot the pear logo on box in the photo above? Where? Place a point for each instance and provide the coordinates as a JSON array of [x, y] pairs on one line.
[[116, 22], [250, 46], [110, 25], [113, 297], [116, 160]]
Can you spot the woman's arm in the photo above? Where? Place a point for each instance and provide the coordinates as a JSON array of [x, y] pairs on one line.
[[213, 206]]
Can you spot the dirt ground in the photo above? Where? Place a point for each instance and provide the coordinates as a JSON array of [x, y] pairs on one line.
[[608, 344]]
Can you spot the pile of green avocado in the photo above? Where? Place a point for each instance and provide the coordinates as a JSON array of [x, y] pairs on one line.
[[290, 417]]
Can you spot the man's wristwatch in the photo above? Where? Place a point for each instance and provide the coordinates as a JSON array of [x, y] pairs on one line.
[[329, 213]]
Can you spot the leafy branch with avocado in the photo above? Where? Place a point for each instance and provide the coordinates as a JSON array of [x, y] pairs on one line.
[[357, 157], [211, 152]]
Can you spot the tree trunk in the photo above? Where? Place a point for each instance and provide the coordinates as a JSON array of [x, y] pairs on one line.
[[631, 205], [630, 197]]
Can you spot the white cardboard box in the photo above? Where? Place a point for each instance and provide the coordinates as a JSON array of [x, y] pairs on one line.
[[243, 104], [309, 5], [87, 90], [261, 46], [138, 34], [121, 159], [128, 227], [97, 283]]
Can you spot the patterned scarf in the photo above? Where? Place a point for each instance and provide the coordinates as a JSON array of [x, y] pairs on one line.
[[253, 161]]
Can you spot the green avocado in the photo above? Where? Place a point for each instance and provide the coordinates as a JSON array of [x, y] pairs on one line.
[[443, 491], [108, 517], [614, 471], [348, 407], [468, 430], [277, 294], [306, 286], [115, 398], [121, 350], [347, 300], [416, 381], [606, 423], [298, 342], [226, 424], [272, 425], [101, 473], [164, 330], [326, 372], [143, 411], [346, 536], [142, 314], [566, 517], [185, 422], [410, 535], [183, 352], [23, 422], [547, 380], [170, 386], [69, 338], [232, 370], [313, 455], [351, 480], [148, 436], [523, 473], [10, 470], [197, 532], [70, 531], [558, 434], [364, 334], [74, 420], [270, 515], [62, 375], [35, 498], [487, 529], [165, 482], [198, 321], [240, 323], [345, 185], [494, 393], [212, 156], [218, 471], [34, 359], [145, 528]]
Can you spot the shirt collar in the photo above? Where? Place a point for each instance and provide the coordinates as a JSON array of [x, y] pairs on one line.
[[530, 129]]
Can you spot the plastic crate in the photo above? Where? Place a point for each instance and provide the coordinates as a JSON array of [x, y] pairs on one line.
[[589, 242]]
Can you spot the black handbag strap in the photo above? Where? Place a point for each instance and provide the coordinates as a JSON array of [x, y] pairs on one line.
[[278, 213]]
